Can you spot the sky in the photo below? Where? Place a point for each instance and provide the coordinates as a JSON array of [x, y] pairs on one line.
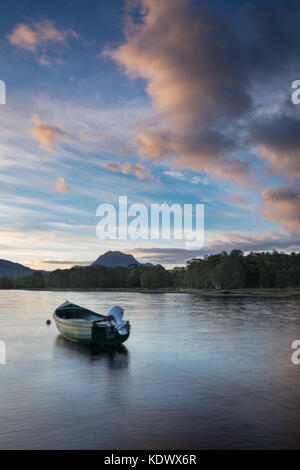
[[164, 101]]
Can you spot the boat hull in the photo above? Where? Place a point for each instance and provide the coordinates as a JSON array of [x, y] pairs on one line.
[[88, 333]]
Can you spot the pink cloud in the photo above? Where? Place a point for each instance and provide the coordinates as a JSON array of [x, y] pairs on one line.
[[62, 186], [45, 134], [239, 200], [282, 205], [139, 170], [36, 36], [191, 78]]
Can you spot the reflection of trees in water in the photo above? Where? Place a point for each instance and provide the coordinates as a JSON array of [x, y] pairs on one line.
[[117, 356]]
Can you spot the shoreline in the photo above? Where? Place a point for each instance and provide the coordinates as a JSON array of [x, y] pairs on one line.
[[254, 293]]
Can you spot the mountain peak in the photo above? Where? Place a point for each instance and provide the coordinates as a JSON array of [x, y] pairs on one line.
[[113, 259]]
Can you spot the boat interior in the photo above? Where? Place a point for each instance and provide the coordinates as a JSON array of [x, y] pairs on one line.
[[74, 313]]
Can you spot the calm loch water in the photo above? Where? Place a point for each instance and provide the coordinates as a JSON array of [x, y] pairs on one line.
[[196, 373]]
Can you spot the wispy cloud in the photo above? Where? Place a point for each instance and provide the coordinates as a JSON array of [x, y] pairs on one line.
[[37, 36], [66, 263], [139, 170], [179, 175], [107, 142], [45, 134], [62, 186], [238, 200]]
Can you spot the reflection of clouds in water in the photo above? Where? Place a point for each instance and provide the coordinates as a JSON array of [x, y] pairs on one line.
[[199, 369], [116, 357]]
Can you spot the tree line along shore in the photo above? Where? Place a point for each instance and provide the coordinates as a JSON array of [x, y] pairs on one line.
[[220, 271]]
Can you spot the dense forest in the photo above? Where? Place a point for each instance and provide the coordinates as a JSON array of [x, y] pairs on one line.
[[220, 271]]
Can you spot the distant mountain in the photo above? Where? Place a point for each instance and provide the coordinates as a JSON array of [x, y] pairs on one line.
[[8, 268], [110, 259], [113, 259]]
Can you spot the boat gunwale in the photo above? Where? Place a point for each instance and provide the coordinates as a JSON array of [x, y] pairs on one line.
[[79, 324], [69, 306]]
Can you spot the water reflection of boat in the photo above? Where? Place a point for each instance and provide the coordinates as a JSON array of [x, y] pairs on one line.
[[85, 326], [117, 356]]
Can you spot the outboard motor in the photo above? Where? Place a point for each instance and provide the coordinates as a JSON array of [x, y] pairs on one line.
[[115, 316]]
